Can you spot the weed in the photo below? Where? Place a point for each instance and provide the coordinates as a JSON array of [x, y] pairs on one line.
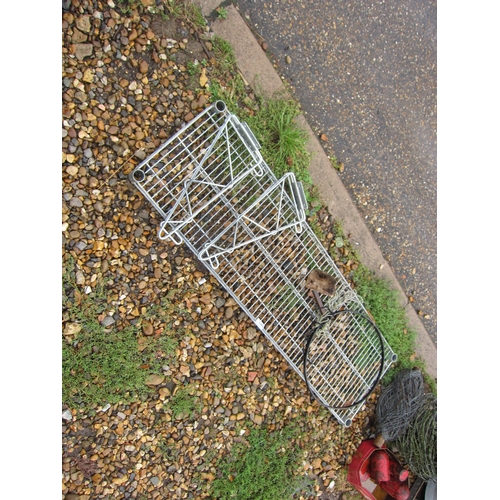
[[167, 344], [342, 242], [184, 403], [224, 54], [227, 84], [192, 68], [169, 453], [222, 13], [185, 10], [126, 6], [229, 374], [265, 469], [336, 164], [271, 382], [216, 91], [312, 195], [80, 306], [316, 227], [101, 366], [285, 299], [283, 141]]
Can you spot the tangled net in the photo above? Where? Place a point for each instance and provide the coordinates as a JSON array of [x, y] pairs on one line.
[[418, 445], [398, 403]]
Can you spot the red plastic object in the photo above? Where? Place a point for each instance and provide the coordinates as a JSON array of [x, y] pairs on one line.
[[397, 490], [367, 486], [379, 466], [364, 472], [398, 472]]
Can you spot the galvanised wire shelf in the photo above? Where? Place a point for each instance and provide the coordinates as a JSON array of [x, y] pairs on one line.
[[217, 195]]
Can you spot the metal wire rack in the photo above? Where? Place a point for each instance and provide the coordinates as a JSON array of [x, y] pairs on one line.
[[218, 196], [183, 178]]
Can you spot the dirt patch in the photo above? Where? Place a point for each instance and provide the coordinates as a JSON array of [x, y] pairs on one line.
[[175, 29]]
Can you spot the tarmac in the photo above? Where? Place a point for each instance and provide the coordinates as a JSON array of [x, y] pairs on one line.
[[260, 74]]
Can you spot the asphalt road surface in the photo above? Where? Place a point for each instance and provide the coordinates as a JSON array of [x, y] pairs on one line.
[[365, 74]]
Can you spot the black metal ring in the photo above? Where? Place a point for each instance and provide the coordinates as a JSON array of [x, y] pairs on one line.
[[377, 379]]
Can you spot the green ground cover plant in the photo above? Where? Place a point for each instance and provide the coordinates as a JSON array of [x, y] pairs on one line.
[[382, 302], [103, 364], [264, 469], [184, 403]]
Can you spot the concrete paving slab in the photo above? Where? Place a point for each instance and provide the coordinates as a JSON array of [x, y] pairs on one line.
[[259, 72], [208, 6]]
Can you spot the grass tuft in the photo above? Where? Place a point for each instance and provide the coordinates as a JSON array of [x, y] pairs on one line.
[[283, 141], [224, 55], [185, 10]]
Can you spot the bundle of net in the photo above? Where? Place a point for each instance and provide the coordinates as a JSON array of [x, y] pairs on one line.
[[418, 445], [398, 403]]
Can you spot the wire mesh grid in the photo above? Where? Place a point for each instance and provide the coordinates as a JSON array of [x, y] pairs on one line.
[[250, 231]]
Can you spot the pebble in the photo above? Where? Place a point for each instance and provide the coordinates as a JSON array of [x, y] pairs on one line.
[[72, 170], [83, 50], [107, 321], [67, 415], [251, 333], [75, 202], [155, 379], [83, 23]]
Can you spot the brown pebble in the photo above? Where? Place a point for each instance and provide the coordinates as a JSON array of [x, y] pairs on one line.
[[147, 328]]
